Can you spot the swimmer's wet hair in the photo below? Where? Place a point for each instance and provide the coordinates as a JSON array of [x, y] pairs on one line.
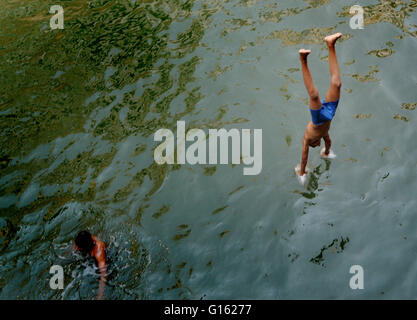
[[84, 241]]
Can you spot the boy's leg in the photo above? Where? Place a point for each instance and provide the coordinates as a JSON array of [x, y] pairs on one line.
[[333, 94], [308, 81]]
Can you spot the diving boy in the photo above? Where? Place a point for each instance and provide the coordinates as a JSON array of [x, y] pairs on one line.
[[322, 112]]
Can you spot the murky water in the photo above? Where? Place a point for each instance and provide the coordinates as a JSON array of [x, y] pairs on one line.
[[79, 107]]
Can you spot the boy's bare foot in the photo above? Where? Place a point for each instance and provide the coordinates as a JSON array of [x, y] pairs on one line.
[[304, 53], [332, 38]]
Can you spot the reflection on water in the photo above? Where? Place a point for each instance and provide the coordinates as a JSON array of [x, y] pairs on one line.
[[313, 180], [79, 106]]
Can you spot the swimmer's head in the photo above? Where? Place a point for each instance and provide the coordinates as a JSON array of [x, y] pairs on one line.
[[84, 241], [315, 143]]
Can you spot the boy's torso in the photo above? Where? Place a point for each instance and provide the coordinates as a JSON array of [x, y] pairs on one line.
[[316, 132]]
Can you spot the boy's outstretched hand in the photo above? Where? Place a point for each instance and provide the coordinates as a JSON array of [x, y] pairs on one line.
[[330, 155]]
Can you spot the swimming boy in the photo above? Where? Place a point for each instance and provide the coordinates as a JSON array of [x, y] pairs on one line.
[[89, 244], [322, 112]]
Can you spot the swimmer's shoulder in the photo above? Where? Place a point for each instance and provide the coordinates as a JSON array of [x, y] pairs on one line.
[[100, 244], [99, 247]]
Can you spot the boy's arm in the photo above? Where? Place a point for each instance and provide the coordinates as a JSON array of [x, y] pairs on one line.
[[304, 157], [328, 144], [101, 262], [102, 267], [102, 283]]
